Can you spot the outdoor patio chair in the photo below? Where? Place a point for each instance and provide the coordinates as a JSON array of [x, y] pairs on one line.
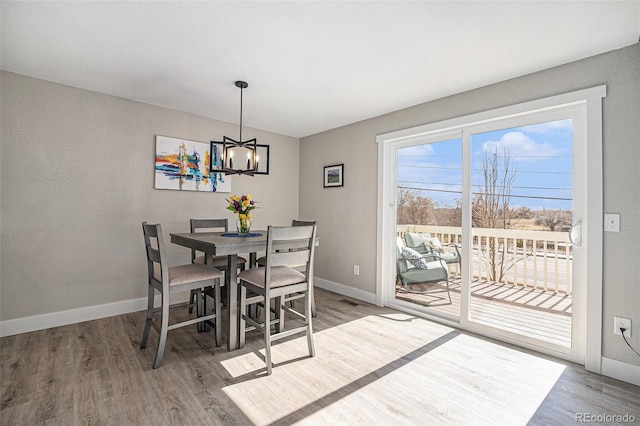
[[415, 268], [425, 244]]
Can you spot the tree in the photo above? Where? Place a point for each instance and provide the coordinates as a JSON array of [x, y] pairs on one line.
[[491, 208], [413, 208], [554, 220]]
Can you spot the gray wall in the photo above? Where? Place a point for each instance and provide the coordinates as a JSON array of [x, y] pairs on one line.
[[77, 175], [350, 212]]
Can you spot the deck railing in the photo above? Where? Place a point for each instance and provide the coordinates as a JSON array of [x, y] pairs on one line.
[[537, 259]]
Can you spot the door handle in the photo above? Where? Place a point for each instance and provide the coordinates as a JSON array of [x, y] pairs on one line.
[[575, 235]]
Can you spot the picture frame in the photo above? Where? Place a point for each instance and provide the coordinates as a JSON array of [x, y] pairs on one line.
[[333, 176], [183, 165]]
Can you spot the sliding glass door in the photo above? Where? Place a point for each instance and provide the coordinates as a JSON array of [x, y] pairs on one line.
[[429, 224], [486, 222]]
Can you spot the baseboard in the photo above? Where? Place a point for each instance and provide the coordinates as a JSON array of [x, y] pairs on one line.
[[345, 290], [621, 370], [89, 313], [73, 316]]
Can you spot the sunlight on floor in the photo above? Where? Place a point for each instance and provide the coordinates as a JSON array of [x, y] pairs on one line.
[[375, 370]]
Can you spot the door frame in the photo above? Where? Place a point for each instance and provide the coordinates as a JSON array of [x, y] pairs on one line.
[[590, 101]]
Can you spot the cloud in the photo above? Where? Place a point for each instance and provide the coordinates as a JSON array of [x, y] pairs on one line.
[[549, 126], [520, 146], [423, 150]]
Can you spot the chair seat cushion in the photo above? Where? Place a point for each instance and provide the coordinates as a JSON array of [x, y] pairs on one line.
[[280, 276], [416, 275], [450, 257], [193, 272], [219, 261]]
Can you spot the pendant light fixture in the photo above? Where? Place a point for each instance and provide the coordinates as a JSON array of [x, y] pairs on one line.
[[235, 152]]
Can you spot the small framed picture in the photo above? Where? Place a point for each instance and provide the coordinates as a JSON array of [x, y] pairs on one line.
[[334, 176]]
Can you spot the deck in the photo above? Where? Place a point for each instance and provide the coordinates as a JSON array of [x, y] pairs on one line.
[[540, 314]]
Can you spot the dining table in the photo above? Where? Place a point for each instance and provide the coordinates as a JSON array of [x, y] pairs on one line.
[[230, 244]]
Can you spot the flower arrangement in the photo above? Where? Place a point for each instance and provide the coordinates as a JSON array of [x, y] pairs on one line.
[[242, 205]]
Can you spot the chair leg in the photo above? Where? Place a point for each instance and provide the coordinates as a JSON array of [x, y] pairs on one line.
[[308, 303], [164, 328], [149, 317], [242, 314], [192, 299], [313, 303], [218, 308], [267, 336], [279, 313], [200, 309]]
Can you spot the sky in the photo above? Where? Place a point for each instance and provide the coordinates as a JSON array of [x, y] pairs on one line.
[[541, 155]]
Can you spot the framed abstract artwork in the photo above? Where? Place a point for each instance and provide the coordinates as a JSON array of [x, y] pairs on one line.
[[334, 176], [183, 165]]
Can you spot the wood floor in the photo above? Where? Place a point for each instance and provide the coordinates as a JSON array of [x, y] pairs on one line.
[[374, 366]]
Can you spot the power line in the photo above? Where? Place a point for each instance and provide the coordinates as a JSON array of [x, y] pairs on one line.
[[480, 170], [427, 157], [499, 186], [488, 194]]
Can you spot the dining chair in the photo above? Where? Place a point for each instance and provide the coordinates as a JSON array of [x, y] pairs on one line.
[[262, 261], [219, 262], [287, 271], [169, 280]]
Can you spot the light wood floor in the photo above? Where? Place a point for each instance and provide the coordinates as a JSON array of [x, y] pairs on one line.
[[537, 313], [374, 366]]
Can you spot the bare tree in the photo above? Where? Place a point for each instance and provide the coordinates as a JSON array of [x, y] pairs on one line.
[[491, 208], [554, 220], [413, 208]]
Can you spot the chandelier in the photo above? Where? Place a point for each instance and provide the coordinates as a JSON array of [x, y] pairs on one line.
[[234, 151]]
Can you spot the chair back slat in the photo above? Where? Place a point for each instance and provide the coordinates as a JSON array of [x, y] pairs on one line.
[[295, 222], [290, 246], [213, 224], [209, 224], [156, 254], [292, 259]]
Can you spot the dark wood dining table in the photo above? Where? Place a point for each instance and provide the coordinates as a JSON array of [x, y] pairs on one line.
[[217, 244]]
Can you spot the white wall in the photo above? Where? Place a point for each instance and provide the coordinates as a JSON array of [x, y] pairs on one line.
[[77, 176], [347, 216]]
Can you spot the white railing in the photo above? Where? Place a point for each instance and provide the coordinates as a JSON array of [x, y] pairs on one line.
[[537, 259]]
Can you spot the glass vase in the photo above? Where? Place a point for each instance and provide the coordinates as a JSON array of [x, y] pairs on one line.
[[243, 225]]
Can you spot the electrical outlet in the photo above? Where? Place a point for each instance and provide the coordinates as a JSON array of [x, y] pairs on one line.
[[356, 269], [625, 323], [612, 222]]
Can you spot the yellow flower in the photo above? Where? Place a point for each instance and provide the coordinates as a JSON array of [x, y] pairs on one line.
[[242, 216], [250, 216]]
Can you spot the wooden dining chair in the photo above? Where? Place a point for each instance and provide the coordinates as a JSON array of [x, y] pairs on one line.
[[287, 271], [262, 261], [218, 262], [169, 280]]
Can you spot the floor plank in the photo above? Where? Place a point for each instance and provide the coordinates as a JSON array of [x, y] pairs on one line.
[[374, 366]]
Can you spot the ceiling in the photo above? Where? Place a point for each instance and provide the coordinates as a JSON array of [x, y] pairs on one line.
[[311, 66]]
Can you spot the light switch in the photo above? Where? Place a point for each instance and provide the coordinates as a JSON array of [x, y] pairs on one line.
[[612, 222]]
